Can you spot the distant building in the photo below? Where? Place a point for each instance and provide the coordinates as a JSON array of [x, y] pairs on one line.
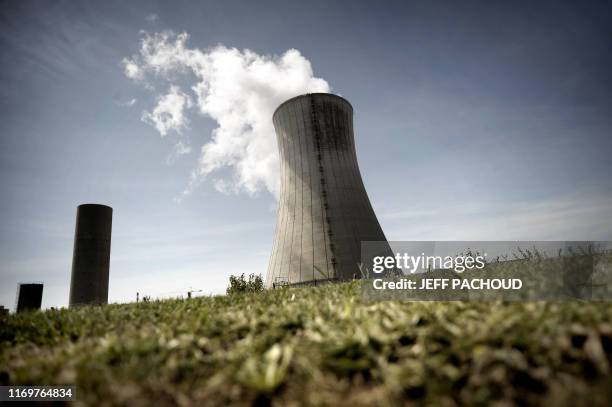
[[3, 311], [29, 297], [91, 256]]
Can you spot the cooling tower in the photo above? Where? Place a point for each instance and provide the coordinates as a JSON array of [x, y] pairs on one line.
[[324, 212], [91, 257], [29, 297]]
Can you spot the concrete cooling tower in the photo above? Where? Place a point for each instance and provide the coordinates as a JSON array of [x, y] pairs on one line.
[[91, 257], [324, 212]]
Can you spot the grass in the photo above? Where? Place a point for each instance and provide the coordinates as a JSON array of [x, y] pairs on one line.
[[316, 346]]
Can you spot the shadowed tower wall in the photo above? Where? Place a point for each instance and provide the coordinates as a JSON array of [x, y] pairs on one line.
[[91, 257], [324, 212]]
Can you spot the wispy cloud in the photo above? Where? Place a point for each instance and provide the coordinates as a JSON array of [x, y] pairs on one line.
[[131, 69], [180, 148], [239, 90], [125, 103], [151, 18], [562, 218]]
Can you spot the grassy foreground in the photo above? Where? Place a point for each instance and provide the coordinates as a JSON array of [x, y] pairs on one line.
[[316, 346]]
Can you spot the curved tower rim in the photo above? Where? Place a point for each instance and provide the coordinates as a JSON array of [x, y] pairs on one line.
[[305, 95], [95, 205]]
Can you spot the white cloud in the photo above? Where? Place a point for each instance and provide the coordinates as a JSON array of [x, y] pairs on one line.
[[131, 69], [169, 113], [239, 90], [226, 187]]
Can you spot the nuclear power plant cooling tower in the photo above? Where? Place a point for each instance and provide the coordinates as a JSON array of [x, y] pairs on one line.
[[324, 212], [91, 257]]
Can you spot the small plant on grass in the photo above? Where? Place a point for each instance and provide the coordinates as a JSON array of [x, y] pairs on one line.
[[240, 284]]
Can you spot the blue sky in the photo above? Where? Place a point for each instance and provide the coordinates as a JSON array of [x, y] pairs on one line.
[[477, 121]]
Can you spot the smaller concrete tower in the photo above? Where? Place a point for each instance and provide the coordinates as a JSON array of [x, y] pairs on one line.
[[91, 257], [29, 297]]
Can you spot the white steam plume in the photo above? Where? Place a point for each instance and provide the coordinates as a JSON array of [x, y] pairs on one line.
[[238, 89], [169, 114]]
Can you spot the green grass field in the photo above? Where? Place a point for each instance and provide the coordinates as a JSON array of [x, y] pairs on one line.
[[316, 346]]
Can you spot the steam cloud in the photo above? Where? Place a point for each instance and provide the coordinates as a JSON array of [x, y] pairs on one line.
[[238, 89]]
